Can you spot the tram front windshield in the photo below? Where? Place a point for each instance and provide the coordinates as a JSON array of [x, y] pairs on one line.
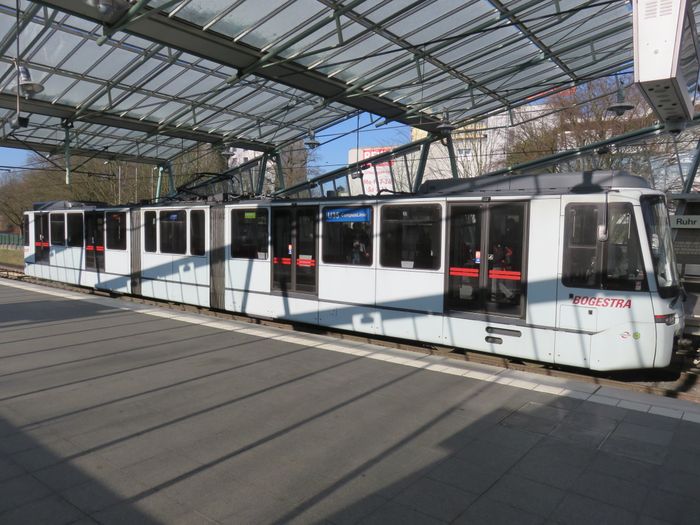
[[660, 243]]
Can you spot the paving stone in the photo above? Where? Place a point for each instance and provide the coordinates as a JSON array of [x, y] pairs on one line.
[[625, 468], [683, 460], [646, 434], [636, 449], [576, 509], [395, 513], [557, 450], [511, 438], [92, 496], [526, 494], [490, 455], [338, 510], [20, 490], [529, 423], [598, 409], [613, 490], [435, 499], [9, 469], [549, 470], [464, 475], [50, 510], [648, 520], [493, 512], [579, 434], [679, 482], [544, 411], [669, 507]]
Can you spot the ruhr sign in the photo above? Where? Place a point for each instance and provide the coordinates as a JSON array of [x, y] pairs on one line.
[[685, 221]]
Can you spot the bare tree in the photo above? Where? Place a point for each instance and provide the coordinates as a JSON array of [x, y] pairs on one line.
[[581, 117]]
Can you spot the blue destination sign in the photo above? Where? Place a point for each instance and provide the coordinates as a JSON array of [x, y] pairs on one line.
[[347, 214]]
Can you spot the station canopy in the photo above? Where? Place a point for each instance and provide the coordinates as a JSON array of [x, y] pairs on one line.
[[150, 79]]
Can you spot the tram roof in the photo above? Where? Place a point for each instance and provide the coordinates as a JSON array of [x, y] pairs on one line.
[[258, 75], [539, 183]]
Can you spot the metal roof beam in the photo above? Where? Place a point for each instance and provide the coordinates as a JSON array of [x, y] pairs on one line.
[[68, 112], [10, 142]]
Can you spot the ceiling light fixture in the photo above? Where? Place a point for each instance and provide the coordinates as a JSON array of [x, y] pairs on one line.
[[445, 127], [311, 141], [25, 85], [109, 8], [620, 107]]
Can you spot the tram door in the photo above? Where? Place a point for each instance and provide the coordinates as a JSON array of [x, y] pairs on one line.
[[94, 241], [294, 249], [486, 258], [41, 238]]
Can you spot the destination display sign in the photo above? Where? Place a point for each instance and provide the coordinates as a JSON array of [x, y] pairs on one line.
[[347, 214]]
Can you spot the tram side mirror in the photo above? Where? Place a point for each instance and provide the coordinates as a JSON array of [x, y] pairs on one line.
[[655, 244], [602, 233]]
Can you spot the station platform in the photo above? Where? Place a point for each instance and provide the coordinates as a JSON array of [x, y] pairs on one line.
[[115, 412]]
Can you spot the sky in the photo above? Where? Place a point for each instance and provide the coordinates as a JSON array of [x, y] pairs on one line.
[[10, 157], [338, 140]]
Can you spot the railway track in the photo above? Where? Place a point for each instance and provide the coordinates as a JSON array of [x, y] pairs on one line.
[[680, 380]]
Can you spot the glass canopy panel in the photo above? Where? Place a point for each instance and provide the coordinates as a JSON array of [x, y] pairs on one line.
[[319, 45], [244, 16], [59, 46], [202, 12], [205, 85], [145, 70], [54, 86], [166, 112], [163, 78], [84, 57], [77, 93], [113, 64], [104, 102], [299, 13]]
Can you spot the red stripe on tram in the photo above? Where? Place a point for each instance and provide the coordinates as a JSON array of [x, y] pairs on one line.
[[464, 272], [89, 248], [283, 260], [309, 263], [505, 275], [38, 243], [100, 248]]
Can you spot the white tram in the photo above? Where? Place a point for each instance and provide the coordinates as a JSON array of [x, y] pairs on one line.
[[573, 269]]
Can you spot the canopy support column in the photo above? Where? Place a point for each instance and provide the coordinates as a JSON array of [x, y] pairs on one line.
[[692, 171], [422, 161]]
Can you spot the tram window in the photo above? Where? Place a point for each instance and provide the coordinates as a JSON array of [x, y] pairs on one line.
[[75, 229], [410, 237], [173, 231], [581, 262], [58, 229], [614, 264], [197, 232], [624, 267], [149, 231], [116, 230], [249, 233], [347, 236], [25, 229]]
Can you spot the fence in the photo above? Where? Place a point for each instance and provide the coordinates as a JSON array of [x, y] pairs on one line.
[[11, 240]]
